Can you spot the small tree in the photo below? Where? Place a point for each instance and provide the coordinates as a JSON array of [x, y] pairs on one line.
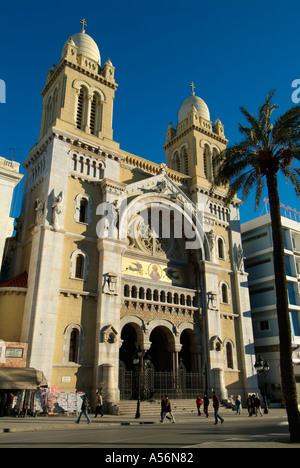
[[269, 148]]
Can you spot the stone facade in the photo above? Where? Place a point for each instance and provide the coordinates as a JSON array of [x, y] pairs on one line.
[[122, 252]]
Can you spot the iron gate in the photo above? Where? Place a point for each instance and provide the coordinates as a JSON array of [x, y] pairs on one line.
[[155, 384]]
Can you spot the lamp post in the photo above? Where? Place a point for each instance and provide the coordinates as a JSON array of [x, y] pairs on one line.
[[137, 361], [262, 367]]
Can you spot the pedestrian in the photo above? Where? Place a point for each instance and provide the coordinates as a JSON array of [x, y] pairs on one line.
[[216, 406], [206, 405], [84, 410], [238, 405], [199, 403], [250, 406], [168, 409], [163, 409], [257, 405], [99, 404]]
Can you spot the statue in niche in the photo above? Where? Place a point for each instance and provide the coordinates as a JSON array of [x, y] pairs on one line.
[[240, 258], [56, 211], [39, 212]]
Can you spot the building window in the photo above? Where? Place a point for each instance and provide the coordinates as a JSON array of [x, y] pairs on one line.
[[81, 109], [221, 248], [176, 162], [79, 265], [264, 325], [185, 161], [83, 210], [79, 270], [74, 346], [73, 343], [229, 356], [225, 295], [95, 115]]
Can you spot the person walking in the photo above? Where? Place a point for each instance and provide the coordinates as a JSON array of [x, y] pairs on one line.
[[168, 409], [238, 405], [199, 403], [250, 406], [206, 405], [257, 405], [99, 404], [216, 406], [84, 410]]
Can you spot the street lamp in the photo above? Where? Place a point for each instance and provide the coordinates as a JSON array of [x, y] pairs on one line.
[[262, 367], [137, 361]]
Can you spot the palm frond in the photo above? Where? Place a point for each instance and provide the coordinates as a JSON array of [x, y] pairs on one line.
[[292, 174], [286, 129]]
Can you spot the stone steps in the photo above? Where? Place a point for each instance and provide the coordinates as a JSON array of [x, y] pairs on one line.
[[153, 407]]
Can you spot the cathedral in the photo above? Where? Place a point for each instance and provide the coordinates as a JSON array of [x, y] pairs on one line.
[[126, 275]]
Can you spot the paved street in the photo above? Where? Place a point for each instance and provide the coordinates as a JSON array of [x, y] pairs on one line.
[[116, 433]]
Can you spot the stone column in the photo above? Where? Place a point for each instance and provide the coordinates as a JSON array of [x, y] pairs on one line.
[[108, 317]]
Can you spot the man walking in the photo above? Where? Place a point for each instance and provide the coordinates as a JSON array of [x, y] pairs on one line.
[[168, 409], [206, 404], [216, 406], [99, 404], [84, 410]]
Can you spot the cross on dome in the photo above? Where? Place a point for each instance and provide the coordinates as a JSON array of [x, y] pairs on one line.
[[84, 24]]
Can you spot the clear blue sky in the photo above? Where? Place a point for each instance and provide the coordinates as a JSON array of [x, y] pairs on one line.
[[235, 51]]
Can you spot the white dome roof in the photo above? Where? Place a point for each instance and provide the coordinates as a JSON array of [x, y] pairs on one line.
[[189, 103], [86, 46]]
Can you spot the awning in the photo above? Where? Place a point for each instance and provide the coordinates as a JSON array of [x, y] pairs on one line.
[[12, 378]]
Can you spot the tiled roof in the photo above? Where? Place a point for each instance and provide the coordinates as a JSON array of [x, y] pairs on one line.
[[19, 281]]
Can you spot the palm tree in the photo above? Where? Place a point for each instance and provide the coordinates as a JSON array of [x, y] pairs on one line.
[[267, 149]]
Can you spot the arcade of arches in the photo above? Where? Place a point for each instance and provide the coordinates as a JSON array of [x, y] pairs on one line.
[[172, 362]]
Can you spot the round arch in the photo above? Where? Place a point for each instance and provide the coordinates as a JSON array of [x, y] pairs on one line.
[[182, 207]]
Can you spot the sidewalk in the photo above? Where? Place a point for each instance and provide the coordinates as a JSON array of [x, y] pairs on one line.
[[46, 423], [29, 424]]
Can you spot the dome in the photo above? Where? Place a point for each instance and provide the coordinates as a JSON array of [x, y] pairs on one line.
[[86, 46], [197, 103]]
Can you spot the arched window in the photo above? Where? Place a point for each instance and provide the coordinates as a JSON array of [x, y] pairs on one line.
[[221, 248], [229, 355], [215, 165], [126, 290], [83, 210], [141, 293], [81, 109], [79, 269], [95, 115], [185, 161], [79, 265], [134, 292], [74, 346], [225, 295], [176, 162], [206, 162]]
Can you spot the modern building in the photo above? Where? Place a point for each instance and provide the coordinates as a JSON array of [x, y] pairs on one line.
[[123, 254], [259, 264], [9, 179]]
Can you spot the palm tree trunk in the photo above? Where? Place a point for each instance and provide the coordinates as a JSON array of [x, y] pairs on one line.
[[288, 380]]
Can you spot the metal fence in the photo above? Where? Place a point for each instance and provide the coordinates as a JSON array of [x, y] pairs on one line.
[[155, 384]]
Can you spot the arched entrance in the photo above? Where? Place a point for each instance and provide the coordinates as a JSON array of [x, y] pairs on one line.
[[162, 346], [170, 365]]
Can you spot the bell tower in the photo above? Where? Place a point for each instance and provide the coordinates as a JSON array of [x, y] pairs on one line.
[[191, 146], [79, 94]]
